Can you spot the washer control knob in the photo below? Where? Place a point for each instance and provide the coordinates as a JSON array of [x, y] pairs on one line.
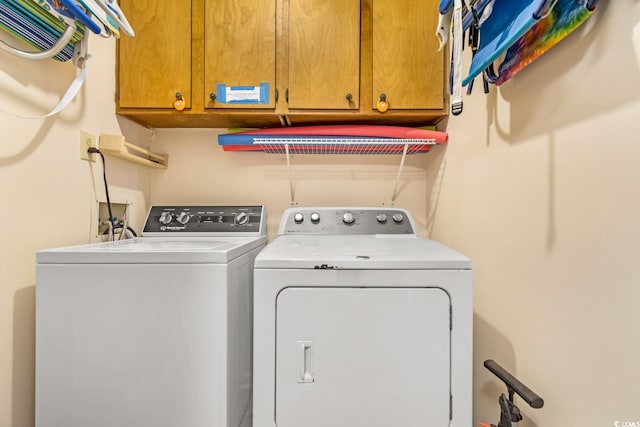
[[348, 218], [183, 218], [398, 217], [298, 218], [241, 219], [165, 218], [315, 217], [382, 218]]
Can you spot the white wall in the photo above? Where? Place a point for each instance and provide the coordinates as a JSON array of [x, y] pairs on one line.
[[47, 194], [539, 188]]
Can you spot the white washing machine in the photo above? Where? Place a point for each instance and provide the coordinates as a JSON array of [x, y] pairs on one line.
[[359, 322], [153, 331]]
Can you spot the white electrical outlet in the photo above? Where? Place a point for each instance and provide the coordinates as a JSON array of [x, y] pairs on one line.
[[87, 140]]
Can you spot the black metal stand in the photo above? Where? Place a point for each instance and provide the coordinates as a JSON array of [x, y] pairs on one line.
[[509, 412]]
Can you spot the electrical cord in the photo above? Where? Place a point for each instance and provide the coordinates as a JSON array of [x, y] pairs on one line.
[[125, 230], [106, 187]]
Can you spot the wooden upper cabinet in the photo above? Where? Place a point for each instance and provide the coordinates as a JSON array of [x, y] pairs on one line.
[[407, 68], [155, 65], [266, 63], [240, 54], [324, 54]]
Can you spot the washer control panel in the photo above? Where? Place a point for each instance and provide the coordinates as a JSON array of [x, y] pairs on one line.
[[347, 221], [205, 220]]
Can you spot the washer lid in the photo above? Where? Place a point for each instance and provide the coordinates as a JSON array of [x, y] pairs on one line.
[[153, 250], [361, 252]]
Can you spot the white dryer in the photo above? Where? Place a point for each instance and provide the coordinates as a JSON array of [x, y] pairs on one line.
[[359, 322], [153, 331]]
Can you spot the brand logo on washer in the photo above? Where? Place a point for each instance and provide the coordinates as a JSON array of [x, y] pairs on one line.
[[172, 228], [325, 267]]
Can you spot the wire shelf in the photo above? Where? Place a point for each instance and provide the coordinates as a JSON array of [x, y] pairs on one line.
[[342, 145]]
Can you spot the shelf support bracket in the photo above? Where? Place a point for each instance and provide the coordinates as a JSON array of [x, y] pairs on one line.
[[288, 154], [395, 188]]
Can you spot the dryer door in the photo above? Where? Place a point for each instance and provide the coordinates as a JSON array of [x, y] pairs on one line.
[[374, 357]]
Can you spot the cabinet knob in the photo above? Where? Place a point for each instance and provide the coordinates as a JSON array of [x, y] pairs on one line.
[[349, 97], [383, 104], [212, 97], [179, 102]]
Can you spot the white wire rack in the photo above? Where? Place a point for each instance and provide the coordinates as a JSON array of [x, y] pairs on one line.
[[343, 145]]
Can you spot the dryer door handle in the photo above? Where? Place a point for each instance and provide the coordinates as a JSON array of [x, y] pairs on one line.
[[305, 361]]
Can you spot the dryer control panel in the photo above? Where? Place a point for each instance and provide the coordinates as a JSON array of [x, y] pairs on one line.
[[342, 221], [205, 221]]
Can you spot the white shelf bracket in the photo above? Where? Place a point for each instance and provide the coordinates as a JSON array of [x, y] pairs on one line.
[[395, 188], [288, 154]]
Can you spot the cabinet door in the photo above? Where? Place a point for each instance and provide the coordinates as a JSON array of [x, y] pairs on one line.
[[155, 64], [324, 54], [375, 357], [407, 67], [240, 53]]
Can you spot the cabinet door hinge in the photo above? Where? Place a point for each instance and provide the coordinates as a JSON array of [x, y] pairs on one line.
[[277, 94], [286, 95]]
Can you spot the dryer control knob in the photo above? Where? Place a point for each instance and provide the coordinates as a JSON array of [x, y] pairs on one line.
[[315, 217], [382, 218], [398, 217], [298, 218], [165, 218], [348, 218], [183, 218], [241, 219]]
